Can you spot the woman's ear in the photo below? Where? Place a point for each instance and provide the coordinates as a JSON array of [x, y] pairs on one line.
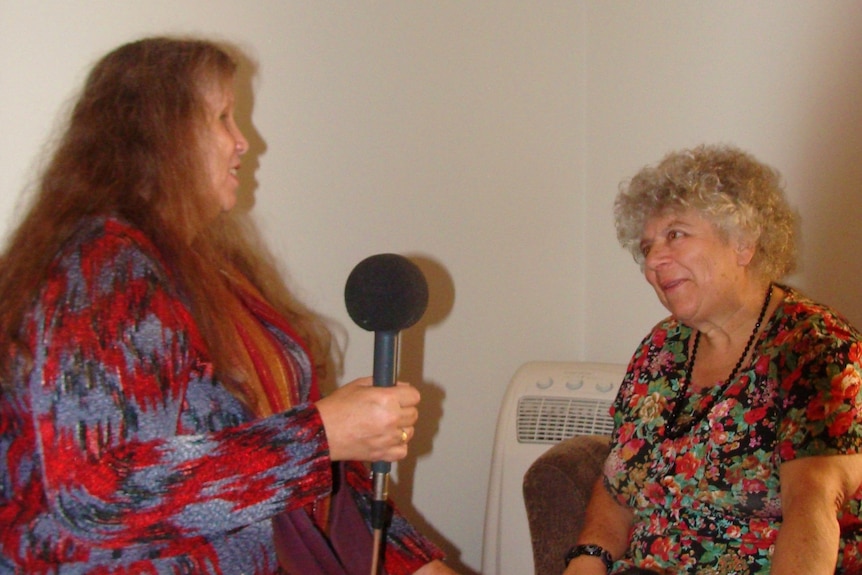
[[745, 252]]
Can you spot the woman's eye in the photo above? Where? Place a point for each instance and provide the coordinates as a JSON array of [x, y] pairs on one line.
[[674, 235]]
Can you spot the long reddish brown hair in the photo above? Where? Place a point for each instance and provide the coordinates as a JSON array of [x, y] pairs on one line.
[[130, 149]]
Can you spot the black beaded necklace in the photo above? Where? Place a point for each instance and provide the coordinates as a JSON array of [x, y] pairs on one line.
[[673, 429]]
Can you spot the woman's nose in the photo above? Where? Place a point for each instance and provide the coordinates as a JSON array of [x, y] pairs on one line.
[[656, 256], [241, 142]]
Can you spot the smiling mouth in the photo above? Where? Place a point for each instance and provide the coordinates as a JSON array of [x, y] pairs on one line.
[[669, 285]]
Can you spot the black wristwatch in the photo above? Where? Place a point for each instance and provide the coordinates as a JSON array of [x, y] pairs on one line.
[[591, 550]]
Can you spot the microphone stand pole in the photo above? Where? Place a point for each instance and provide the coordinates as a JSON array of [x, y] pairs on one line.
[[385, 353]]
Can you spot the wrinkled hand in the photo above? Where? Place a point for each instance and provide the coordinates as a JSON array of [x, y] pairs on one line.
[[367, 423]]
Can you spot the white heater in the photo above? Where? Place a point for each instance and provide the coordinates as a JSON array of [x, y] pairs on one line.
[[545, 403]]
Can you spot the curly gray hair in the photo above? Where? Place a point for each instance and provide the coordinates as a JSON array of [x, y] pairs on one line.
[[742, 197]]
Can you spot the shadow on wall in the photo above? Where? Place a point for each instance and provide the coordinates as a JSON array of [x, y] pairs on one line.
[[244, 88], [441, 301], [831, 213], [412, 340]]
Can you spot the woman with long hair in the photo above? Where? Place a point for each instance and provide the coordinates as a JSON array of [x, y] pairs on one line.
[[159, 408]]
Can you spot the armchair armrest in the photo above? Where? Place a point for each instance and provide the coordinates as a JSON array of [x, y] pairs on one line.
[[556, 489]]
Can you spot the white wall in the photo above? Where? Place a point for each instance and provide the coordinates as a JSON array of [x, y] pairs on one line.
[[486, 140]]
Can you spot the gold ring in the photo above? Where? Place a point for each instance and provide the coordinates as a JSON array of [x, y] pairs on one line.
[[403, 435]]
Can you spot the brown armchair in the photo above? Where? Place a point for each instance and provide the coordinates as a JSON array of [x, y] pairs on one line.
[[557, 487]]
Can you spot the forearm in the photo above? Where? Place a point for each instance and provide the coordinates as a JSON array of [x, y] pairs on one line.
[[806, 543], [813, 491], [186, 483], [606, 524]]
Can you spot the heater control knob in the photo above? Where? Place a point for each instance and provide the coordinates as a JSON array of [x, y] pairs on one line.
[[575, 385]]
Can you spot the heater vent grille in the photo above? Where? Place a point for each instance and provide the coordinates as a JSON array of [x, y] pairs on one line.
[[553, 419]]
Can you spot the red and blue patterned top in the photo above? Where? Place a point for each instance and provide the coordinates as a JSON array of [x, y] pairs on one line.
[[120, 452], [708, 501]]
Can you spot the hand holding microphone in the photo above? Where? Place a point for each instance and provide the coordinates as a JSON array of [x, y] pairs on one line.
[[385, 293], [366, 423]]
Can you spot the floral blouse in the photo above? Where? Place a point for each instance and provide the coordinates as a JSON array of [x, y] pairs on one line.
[[708, 501]]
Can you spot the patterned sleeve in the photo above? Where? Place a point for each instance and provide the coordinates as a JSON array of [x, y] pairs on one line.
[[117, 369], [821, 389]]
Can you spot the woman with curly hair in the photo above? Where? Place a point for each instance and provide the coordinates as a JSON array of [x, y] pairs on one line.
[[737, 437], [159, 408]]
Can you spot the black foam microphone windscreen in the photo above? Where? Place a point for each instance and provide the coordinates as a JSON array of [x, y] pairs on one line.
[[386, 292]]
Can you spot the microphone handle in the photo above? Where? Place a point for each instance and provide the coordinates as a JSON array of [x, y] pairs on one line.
[[385, 347]]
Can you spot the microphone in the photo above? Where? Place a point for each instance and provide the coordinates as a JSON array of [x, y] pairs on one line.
[[385, 293]]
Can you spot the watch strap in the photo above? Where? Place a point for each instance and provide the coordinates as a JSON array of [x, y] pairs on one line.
[[592, 550]]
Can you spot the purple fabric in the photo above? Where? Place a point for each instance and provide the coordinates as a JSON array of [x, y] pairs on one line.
[[302, 549]]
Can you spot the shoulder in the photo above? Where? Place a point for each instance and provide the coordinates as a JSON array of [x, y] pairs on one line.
[[660, 353], [110, 269], [802, 321], [667, 330], [106, 238], [110, 283], [818, 355], [106, 253]]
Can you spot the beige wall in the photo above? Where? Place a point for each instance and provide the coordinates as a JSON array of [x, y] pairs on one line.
[[485, 139]]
